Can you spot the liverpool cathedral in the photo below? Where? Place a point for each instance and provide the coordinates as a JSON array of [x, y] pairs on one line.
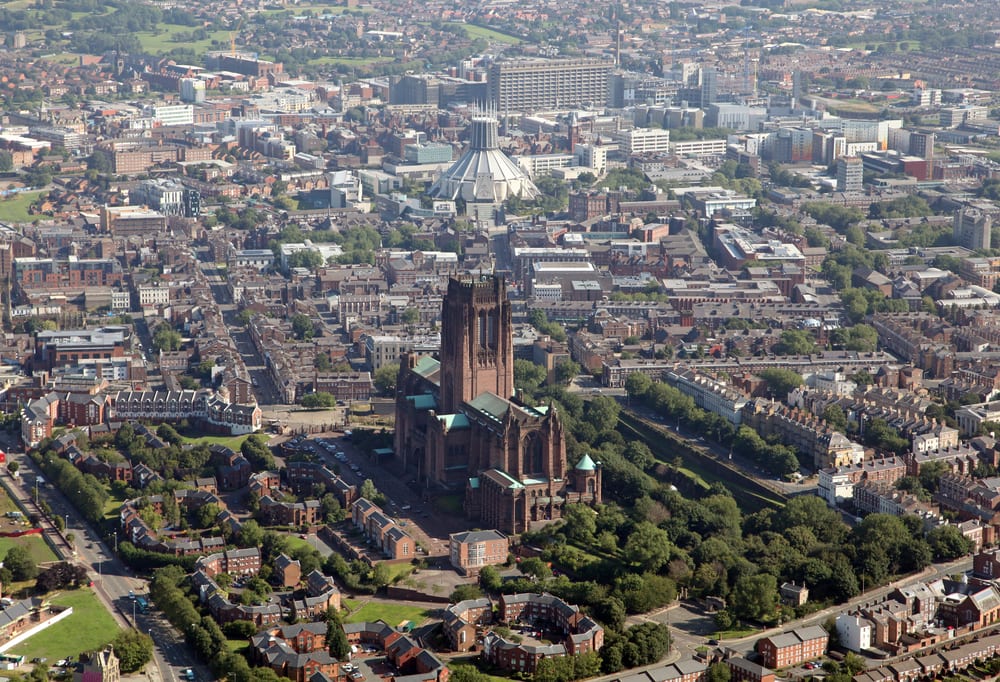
[[459, 426]]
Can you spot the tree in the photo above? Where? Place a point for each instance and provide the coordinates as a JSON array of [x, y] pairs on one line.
[[410, 316], [639, 454], [854, 664], [251, 534], [602, 412], [370, 492], [931, 473], [60, 576], [489, 578], [755, 596], [166, 339], [794, 342], [318, 399], [302, 327], [527, 375], [385, 378], [566, 371], [579, 523], [780, 381], [239, 629], [835, 417], [322, 362], [20, 564], [330, 507], [535, 567], [169, 434], [465, 592], [718, 672], [134, 650], [637, 384], [13, 468], [381, 575], [336, 638], [648, 548], [466, 673], [206, 514], [947, 543]]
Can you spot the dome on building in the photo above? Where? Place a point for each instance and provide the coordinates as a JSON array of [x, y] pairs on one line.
[[484, 173]]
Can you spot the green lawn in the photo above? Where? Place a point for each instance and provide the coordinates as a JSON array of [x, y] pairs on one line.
[[36, 546], [474, 32], [15, 209], [64, 58], [89, 627], [231, 442], [735, 634], [399, 571], [163, 40], [113, 505], [391, 614], [295, 542]]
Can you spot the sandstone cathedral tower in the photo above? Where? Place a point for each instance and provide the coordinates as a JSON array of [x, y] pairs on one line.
[[459, 427]]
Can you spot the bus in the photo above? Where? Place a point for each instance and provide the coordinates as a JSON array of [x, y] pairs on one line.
[[142, 604]]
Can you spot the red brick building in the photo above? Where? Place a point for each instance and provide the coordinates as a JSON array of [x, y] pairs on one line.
[[457, 425], [792, 648], [472, 550], [274, 513], [295, 651]]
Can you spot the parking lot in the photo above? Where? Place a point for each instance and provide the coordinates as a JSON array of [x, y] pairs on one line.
[[428, 529]]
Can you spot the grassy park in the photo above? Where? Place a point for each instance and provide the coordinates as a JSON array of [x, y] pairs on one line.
[[473, 32], [14, 209], [89, 627], [36, 546], [165, 39]]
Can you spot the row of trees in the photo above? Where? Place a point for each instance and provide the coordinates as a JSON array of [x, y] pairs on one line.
[[202, 632], [704, 543], [84, 491]]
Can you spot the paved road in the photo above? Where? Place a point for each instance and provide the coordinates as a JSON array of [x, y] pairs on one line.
[[691, 627], [113, 581], [263, 387]]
